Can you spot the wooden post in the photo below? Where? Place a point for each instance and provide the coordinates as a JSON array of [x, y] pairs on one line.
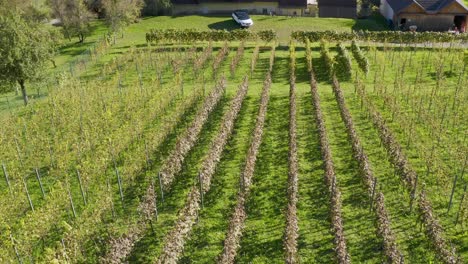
[[71, 202], [461, 205], [27, 194], [38, 176], [455, 183], [413, 193], [161, 187], [16, 249], [81, 187], [373, 194], [5, 173], [148, 163], [155, 200], [201, 187], [119, 181], [64, 250]]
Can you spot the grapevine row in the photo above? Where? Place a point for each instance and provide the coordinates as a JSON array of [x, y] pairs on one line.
[[218, 60], [433, 228], [379, 36], [88, 219], [43, 218], [201, 60], [175, 240], [359, 56], [253, 62], [391, 250], [190, 35], [343, 62], [237, 58], [341, 250], [292, 229], [236, 223], [121, 247]]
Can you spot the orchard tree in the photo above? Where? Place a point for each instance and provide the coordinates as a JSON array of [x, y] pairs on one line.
[[29, 11], [74, 16], [120, 13], [25, 48]]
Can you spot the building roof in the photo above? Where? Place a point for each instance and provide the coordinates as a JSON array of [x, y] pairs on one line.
[[430, 6], [282, 3], [337, 3]]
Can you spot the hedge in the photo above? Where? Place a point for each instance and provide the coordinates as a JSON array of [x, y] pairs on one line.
[[191, 35], [379, 36]]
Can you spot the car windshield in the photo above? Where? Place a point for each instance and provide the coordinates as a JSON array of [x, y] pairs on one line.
[[242, 15]]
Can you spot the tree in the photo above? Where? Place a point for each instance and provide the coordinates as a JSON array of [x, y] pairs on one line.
[[32, 12], [25, 48], [120, 13], [156, 7], [74, 16]]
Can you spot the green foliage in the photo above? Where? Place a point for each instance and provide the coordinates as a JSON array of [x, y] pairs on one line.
[[74, 16], [37, 12], [379, 36], [361, 59], [25, 47], [343, 63], [327, 59], [121, 13], [192, 35]]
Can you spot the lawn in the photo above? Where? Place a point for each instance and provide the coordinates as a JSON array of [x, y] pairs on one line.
[[281, 24]]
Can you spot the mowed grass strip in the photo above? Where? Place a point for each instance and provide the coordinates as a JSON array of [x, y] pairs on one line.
[[315, 242], [207, 240], [363, 244], [263, 235]]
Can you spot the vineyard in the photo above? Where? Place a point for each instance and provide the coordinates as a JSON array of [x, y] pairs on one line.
[[234, 149]]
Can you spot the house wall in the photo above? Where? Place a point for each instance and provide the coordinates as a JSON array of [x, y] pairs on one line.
[[426, 22], [225, 8], [311, 10], [386, 10], [334, 11], [253, 8], [290, 11]]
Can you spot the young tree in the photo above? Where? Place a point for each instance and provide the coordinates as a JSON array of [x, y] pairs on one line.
[[25, 48], [120, 13], [75, 17]]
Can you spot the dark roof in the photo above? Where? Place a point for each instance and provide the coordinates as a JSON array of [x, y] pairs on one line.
[[428, 5], [282, 3], [338, 3], [398, 5], [184, 2], [433, 5]]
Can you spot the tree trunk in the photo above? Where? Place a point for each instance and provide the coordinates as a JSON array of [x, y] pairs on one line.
[[81, 37], [24, 92]]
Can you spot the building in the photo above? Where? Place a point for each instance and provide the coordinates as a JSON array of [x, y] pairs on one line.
[[337, 8], [425, 15], [265, 7]]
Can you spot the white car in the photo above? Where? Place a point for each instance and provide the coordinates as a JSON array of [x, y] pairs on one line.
[[242, 18]]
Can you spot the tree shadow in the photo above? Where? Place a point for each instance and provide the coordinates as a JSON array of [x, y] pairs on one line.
[[375, 22]]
